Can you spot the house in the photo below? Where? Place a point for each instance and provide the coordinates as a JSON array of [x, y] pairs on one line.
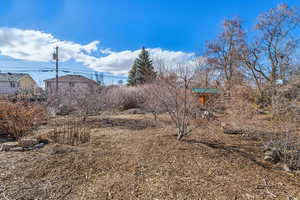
[[71, 83], [203, 94], [12, 83]]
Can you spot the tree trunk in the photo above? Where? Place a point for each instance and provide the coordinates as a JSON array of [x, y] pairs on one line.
[[181, 130], [179, 135]]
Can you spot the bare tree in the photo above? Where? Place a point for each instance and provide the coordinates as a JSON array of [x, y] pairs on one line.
[[204, 74], [222, 53], [152, 103], [249, 55], [273, 53], [80, 101], [85, 103], [172, 94]]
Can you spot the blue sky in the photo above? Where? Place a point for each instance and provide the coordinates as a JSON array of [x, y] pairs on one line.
[[174, 30]]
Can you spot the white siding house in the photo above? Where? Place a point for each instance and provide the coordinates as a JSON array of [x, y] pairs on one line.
[[11, 83]]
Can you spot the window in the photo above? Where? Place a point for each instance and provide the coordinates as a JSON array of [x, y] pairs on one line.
[[12, 84], [71, 84]]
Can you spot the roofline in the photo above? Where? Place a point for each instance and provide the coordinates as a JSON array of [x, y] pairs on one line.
[[206, 91], [24, 75], [88, 81], [67, 75]]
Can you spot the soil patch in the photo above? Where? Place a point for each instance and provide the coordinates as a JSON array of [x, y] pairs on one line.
[[131, 124]]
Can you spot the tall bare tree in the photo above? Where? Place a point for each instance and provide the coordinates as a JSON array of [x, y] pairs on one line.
[[222, 53], [249, 56], [276, 44]]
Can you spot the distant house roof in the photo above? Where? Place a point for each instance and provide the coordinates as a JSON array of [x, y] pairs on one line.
[[7, 77], [206, 90], [71, 78]]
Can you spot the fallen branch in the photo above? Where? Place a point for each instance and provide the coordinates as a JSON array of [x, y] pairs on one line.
[[268, 192], [234, 131]]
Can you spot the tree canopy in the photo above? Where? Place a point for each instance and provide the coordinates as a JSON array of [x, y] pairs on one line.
[[142, 70]]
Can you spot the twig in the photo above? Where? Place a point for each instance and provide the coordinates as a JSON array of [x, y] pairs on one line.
[[273, 195], [266, 186]]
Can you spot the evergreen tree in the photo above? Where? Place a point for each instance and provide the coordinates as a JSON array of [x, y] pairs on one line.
[[142, 70], [132, 75]]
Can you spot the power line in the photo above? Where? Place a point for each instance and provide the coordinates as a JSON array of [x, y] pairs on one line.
[[49, 68], [64, 70]]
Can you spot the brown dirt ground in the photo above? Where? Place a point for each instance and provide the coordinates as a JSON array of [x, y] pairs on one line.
[[124, 162]]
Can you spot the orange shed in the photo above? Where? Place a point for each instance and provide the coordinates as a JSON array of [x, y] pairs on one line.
[[204, 93]]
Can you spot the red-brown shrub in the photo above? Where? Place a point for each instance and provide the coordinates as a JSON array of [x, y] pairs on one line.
[[17, 119]]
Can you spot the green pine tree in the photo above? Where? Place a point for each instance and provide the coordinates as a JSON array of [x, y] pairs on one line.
[[132, 75], [142, 70]]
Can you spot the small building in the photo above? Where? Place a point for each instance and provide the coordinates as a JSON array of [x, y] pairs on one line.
[[203, 94], [12, 83], [71, 83]]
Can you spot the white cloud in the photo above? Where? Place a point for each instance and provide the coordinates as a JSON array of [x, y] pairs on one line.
[[33, 45], [121, 62]]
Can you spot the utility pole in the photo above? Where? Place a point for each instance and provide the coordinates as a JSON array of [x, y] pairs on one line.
[[55, 57]]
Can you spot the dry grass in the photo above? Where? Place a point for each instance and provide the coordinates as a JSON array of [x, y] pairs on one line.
[[122, 163]]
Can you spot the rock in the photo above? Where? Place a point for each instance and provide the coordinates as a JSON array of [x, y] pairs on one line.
[[28, 142], [8, 145], [61, 109], [37, 146], [286, 168], [272, 155], [64, 110], [51, 111], [22, 145]]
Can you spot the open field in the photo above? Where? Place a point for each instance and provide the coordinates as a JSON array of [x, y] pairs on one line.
[[150, 100], [126, 162]]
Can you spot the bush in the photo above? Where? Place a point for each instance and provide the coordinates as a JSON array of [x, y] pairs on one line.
[[264, 98], [284, 109], [285, 103], [283, 100], [121, 98], [79, 102], [287, 148], [17, 119]]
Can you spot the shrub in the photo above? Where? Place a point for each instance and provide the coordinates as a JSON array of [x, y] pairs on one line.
[[287, 148], [17, 119], [264, 98], [285, 103], [121, 98], [73, 101]]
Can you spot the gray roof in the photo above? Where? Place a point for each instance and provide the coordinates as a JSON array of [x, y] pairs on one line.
[[5, 77]]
